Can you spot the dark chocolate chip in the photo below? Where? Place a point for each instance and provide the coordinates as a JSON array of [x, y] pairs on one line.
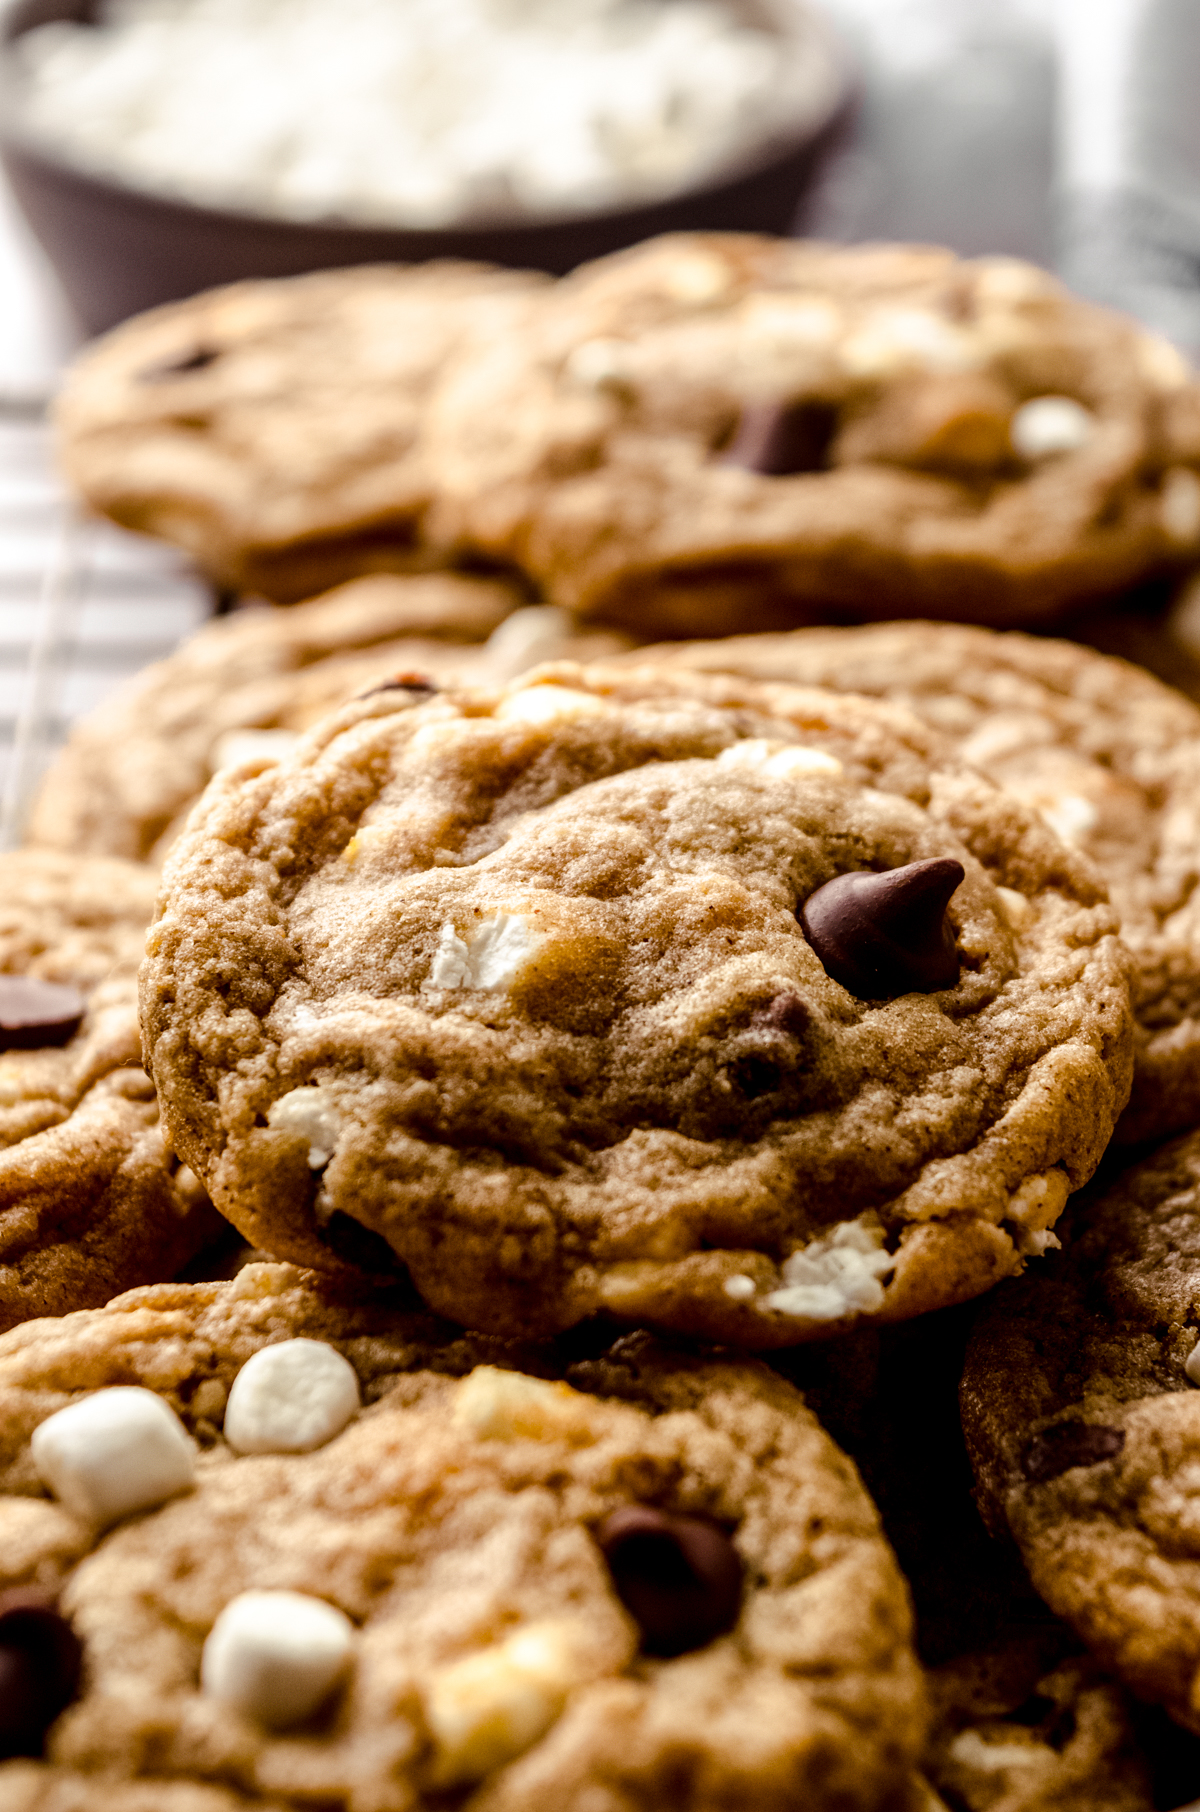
[[400, 682], [34, 1013], [1068, 1444], [199, 359], [679, 1577], [40, 1659], [779, 440], [885, 934]]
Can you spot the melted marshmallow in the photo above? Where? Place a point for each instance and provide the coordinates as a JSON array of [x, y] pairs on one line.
[[489, 958], [835, 1275]]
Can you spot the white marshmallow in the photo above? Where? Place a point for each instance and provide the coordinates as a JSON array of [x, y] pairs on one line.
[[114, 1453], [526, 637], [1047, 425], [739, 1287], [290, 1398], [1179, 505], [491, 957], [835, 1275], [276, 1656], [308, 1113]]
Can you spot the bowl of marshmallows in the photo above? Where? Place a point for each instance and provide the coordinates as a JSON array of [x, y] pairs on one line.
[[158, 147]]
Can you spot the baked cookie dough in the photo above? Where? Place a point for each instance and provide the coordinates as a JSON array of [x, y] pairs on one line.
[[1084, 1425], [246, 684], [512, 986], [473, 1534], [272, 429], [1108, 755], [90, 1202], [711, 432]]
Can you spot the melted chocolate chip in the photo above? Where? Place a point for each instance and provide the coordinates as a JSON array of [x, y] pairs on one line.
[[199, 359], [1068, 1444], [40, 1658], [786, 1013], [34, 1013], [779, 440], [679, 1577], [880, 935]]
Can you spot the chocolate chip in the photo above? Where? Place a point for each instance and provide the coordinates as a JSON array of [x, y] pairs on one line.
[[885, 934], [401, 682], [34, 1013], [754, 1075], [785, 1013], [1068, 1444], [199, 359], [779, 440], [679, 1577], [40, 1658], [357, 1245]]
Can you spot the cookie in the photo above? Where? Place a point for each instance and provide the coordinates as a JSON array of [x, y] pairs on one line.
[[1084, 1425], [1109, 756], [90, 1202], [272, 429], [710, 433], [636, 993], [247, 683], [636, 1579]]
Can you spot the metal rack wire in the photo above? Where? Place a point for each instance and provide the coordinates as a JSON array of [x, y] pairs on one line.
[[82, 606]]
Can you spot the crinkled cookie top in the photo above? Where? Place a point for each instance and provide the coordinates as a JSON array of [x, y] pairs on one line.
[[457, 1523], [708, 433], [512, 986], [1106, 753], [1083, 1419]]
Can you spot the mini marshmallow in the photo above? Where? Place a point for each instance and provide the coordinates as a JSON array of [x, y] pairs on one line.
[[836, 1274], [739, 1287], [114, 1453], [309, 1114], [490, 957], [1179, 505], [276, 1656], [1047, 425], [290, 1398]]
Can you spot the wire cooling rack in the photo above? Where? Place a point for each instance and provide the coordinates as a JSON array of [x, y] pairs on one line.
[[82, 606]]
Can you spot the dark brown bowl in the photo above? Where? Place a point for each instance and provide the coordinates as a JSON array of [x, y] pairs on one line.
[[119, 249]]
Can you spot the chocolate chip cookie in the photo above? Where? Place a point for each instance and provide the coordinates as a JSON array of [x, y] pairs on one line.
[[714, 432], [272, 429], [1081, 1412], [90, 1202], [246, 684], [1108, 755], [704, 1004], [629, 1579]]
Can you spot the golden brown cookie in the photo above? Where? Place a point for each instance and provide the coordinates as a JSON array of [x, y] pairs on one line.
[[632, 992], [505, 1646], [90, 1202], [709, 433], [1083, 1421], [246, 684], [272, 429], [1109, 756]]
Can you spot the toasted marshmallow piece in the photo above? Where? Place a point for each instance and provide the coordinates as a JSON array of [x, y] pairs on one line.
[[114, 1453], [290, 1398], [488, 1708], [276, 1656]]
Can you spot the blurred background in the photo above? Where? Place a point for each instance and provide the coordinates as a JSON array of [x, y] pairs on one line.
[[1064, 131]]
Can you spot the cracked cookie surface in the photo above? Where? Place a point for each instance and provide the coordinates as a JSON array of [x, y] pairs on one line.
[[455, 1517], [512, 986], [90, 1204], [1106, 753], [1084, 1426], [961, 438], [272, 429], [247, 684]]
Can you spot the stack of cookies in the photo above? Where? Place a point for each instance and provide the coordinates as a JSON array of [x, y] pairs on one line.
[[590, 1087]]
